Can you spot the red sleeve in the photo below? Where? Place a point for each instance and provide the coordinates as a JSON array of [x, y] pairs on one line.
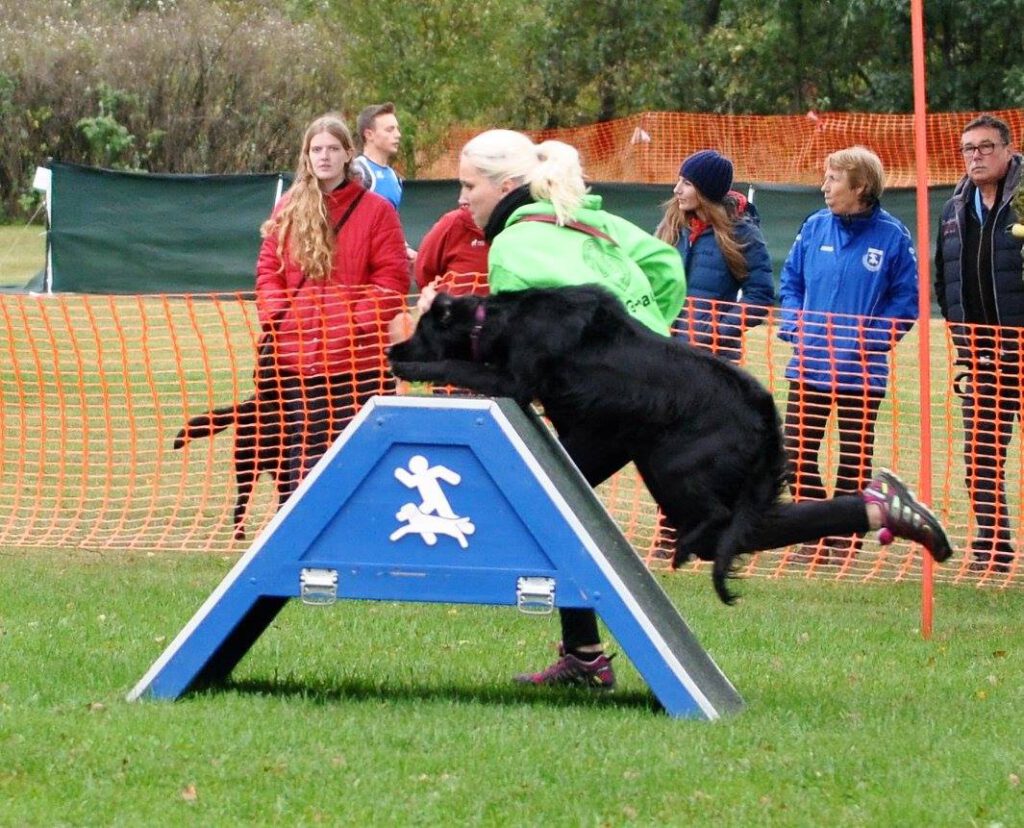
[[271, 288], [388, 269], [388, 262]]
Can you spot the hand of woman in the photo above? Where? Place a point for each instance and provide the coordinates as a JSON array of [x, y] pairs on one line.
[[427, 296], [401, 327]]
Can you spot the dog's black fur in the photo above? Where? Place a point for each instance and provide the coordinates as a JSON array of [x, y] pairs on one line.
[[258, 447], [704, 435]]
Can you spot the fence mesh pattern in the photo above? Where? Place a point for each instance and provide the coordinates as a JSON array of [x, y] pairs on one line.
[[765, 149], [94, 391]]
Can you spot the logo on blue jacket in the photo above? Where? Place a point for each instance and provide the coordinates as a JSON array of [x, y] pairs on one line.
[[873, 259]]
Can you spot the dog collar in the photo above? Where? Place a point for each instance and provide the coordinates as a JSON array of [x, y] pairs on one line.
[[474, 334]]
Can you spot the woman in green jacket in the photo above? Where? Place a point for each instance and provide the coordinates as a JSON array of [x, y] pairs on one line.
[[545, 230]]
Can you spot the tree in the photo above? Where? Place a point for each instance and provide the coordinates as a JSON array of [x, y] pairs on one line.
[[599, 61], [439, 63]]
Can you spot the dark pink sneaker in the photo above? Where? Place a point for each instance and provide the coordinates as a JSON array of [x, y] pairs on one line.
[[570, 670], [904, 516]]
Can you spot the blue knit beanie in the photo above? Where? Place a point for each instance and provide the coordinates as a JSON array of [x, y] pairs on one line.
[[710, 172]]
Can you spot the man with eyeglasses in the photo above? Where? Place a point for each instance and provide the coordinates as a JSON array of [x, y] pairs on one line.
[[979, 283]]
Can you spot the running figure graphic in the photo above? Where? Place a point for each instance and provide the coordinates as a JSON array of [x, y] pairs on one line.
[[434, 515]]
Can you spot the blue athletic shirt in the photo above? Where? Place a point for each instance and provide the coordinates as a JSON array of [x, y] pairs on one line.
[[379, 179]]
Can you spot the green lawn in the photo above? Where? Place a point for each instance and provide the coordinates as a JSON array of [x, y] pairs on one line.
[[402, 714], [22, 252]]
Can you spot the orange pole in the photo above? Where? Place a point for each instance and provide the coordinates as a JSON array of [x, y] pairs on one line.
[[924, 294]]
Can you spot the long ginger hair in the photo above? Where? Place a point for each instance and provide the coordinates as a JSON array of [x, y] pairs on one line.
[[303, 226], [720, 215]]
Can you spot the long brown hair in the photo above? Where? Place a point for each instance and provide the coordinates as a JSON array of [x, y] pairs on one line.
[[303, 227], [720, 215]]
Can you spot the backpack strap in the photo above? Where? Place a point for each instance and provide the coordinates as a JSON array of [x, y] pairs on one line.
[[572, 225], [361, 169]]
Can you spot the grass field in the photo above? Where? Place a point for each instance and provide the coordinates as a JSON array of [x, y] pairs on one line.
[[402, 714], [22, 252]]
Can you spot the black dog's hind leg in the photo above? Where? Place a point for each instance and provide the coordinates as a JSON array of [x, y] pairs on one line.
[[245, 487], [245, 461]]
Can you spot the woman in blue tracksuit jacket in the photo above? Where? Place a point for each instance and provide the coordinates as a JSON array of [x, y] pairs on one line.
[[728, 270], [848, 293]]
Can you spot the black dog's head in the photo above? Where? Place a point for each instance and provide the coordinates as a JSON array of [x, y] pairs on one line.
[[444, 332]]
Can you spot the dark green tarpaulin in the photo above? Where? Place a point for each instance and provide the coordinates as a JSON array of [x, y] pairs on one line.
[[115, 232]]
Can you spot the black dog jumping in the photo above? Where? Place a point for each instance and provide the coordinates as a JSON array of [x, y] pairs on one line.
[[704, 435]]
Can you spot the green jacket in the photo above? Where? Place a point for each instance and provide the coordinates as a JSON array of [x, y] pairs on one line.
[[642, 271]]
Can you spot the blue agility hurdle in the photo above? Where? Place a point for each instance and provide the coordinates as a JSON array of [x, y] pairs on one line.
[[447, 500]]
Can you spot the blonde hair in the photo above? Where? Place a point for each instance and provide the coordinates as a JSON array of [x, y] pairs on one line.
[[302, 226], [551, 169], [720, 215], [863, 168]]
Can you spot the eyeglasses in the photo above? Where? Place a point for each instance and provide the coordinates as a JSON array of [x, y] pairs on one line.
[[985, 148]]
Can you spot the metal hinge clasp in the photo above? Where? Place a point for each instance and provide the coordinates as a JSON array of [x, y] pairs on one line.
[[318, 587], [535, 595]]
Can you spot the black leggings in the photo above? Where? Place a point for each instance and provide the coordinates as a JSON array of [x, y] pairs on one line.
[[600, 455], [807, 413], [316, 409]]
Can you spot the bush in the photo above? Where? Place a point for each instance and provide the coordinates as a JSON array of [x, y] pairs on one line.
[[159, 86]]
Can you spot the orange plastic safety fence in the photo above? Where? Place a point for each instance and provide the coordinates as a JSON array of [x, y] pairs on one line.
[[95, 390], [765, 149]]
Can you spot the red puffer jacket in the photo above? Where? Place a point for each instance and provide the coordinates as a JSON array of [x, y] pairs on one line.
[[453, 245], [339, 325]]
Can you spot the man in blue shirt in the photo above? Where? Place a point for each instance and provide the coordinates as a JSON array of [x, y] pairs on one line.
[[377, 138]]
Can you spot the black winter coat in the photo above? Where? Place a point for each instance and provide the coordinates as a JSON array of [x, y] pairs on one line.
[[1007, 264]]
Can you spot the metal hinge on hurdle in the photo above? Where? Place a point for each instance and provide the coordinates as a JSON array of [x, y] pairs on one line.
[[535, 595], [318, 587]]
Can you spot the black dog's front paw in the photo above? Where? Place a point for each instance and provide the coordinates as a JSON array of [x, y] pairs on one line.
[[414, 371]]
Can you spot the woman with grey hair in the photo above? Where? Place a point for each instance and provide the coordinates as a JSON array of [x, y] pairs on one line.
[[848, 292]]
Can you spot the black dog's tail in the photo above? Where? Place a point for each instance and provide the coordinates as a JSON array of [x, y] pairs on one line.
[[207, 424], [762, 487]]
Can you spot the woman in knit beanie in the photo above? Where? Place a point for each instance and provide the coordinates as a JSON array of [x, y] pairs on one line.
[[728, 269]]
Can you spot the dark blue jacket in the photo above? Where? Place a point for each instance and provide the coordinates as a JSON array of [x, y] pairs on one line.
[[1007, 271], [718, 307], [848, 292]]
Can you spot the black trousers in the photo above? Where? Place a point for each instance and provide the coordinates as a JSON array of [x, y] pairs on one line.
[[599, 455], [990, 396], [316, 409], [807, 413]]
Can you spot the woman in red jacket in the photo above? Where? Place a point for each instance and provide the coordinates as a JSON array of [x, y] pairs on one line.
[[454, 247], [332, 273]]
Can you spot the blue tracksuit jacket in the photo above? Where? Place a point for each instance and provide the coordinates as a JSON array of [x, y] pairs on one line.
[[848, 293]]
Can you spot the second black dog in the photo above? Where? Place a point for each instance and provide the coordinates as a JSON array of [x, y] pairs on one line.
[[258, 447], [704, 435]]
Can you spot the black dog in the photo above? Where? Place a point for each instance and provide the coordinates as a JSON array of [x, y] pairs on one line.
[[258, 448], [704, 435]]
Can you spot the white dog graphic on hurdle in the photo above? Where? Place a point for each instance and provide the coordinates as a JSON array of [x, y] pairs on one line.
[[434, 515]]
